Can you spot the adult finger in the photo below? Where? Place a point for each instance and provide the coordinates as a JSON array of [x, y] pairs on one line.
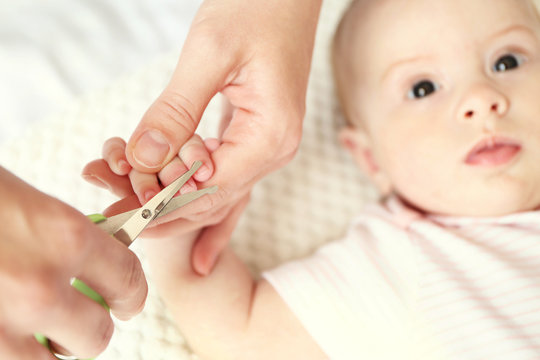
[[115, 272], [214, 239], [128, 203], [114, 153], [81, 326], [174, 116]]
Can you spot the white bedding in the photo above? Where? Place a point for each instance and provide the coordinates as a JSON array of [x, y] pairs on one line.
[[52, 127], [53, 52]]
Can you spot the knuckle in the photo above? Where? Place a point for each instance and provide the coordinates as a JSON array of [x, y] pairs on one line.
[[179, 110], [72, 234], [67, 234]]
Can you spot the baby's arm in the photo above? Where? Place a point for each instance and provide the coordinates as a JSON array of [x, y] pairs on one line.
[[226, 315]]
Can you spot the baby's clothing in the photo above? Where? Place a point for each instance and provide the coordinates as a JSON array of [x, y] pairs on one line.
[[404, 285]]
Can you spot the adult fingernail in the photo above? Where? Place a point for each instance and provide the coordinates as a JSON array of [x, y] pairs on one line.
[[151, 149]]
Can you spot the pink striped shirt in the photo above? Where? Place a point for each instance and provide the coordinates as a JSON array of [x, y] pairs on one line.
[[402, 285]]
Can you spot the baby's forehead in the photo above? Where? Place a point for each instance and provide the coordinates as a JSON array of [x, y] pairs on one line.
[[398, 26]]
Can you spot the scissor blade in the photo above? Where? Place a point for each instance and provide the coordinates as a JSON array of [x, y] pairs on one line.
[[185, 199], [140, 219], [112, 224]]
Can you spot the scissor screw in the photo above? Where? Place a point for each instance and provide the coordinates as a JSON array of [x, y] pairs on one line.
[[146, 213]]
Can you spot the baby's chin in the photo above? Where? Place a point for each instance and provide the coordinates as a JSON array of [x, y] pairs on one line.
[[478, 206]]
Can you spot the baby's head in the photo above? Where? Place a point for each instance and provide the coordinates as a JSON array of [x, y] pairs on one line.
[[443, 101]]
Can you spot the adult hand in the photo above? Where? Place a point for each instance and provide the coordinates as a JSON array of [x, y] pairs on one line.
[[257, 54], [44, 243]]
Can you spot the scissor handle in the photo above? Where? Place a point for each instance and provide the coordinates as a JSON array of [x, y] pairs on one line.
[[84, 289]]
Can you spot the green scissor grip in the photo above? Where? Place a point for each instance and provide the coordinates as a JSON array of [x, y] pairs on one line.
[[82, 287]]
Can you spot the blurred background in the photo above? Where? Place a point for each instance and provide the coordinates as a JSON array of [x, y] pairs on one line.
[[53, 52]]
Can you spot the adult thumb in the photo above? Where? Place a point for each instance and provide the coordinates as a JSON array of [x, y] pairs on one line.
[[174, 116]]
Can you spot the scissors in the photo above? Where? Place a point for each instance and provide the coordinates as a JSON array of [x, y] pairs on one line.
[[127, 226]]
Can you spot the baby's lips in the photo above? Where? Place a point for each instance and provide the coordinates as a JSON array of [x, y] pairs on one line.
[[492, 151]]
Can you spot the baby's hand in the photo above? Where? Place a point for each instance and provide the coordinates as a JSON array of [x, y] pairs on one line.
[[114, 173]]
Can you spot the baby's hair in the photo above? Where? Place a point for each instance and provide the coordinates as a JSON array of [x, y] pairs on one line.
[[337, 62], [340, 62]]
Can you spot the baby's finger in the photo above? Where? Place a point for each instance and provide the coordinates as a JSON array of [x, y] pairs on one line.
[[99, 173], [211, 144], [146, 186], [194, 149], [172, 171], [114, 153]]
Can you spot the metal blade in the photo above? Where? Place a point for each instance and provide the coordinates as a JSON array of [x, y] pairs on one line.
[[113, 223]]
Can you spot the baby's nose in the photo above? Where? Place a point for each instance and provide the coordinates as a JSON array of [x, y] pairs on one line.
[[483, 101]]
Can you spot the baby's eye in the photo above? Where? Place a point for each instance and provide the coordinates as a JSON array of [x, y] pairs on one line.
[[507, 62], [422, 89]]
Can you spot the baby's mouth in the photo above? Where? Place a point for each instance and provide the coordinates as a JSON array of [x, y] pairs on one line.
[[493, 151]]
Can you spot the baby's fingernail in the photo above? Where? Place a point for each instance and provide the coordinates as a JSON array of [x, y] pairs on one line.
[[188, 187], [151, 149], [149, 195], [203, 173], [95, 181], [123, 166]]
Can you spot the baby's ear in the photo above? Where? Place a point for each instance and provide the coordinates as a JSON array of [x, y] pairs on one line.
[[359, 144]]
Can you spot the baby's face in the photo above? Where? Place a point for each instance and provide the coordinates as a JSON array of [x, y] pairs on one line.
[[449, 93]]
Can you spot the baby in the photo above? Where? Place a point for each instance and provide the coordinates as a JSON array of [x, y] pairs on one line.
[[441, 99]]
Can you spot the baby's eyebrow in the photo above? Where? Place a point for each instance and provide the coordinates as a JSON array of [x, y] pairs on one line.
[[500, 33], [510, 29], [402, 62]]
